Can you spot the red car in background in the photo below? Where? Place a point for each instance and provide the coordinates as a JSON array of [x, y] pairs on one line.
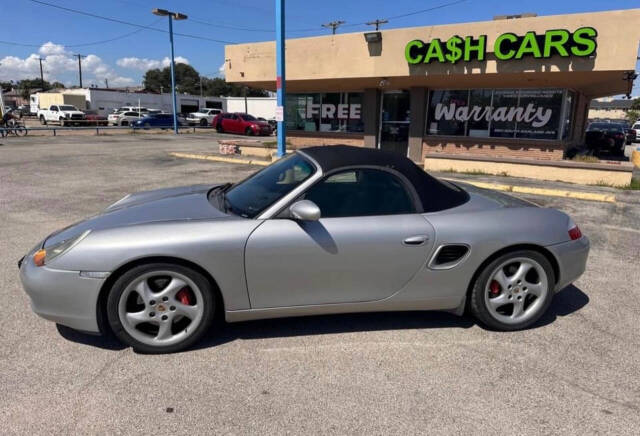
[[240, 123]]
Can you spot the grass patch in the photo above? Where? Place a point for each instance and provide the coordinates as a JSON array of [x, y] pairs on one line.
[[633, 186], [586, 159], [272, 143]]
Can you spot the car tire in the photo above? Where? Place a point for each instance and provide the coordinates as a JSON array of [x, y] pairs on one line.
[[133, 318], [203, 122], [147, 126], [124, 123], [490, 303], [219, 128], [248, 131], [43, 121]]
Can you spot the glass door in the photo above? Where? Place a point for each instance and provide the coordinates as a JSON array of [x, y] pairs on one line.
[[394, 122]]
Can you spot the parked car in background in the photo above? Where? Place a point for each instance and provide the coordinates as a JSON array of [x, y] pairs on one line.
[[631, 136], [636, 129], [203, 117], [128, 118], [94, 119], [157, 120], [24, 110], [272, 122], [241, 123], [607, 137], [64, 114]]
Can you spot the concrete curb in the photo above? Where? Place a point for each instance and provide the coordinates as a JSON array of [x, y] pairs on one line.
[[591, 196], [209, 157]]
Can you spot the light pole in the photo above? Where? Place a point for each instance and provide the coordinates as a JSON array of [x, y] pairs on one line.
[[172, 16]]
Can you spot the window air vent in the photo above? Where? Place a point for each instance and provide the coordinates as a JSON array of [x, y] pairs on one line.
[[449, 254]]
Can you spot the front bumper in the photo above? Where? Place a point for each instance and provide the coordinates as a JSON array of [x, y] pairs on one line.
[[572, 260], [63, 297]]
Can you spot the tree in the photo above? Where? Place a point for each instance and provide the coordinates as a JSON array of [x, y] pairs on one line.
[[188, 81], [28, 86]]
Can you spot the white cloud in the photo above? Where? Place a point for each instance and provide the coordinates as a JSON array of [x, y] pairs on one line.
[[221, 70], [58, 64], [144, 64], [49, 48]]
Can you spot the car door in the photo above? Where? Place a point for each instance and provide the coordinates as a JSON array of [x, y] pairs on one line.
[[369, 242]]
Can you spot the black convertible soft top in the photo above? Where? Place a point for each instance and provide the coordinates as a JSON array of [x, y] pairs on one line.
[[434, 194]]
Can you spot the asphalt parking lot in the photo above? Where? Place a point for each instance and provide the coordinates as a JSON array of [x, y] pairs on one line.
[[576, 372]]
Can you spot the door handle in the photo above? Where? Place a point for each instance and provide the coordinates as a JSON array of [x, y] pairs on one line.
[[416, 240]]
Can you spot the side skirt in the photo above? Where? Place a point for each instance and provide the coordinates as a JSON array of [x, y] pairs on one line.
[[451, 304]]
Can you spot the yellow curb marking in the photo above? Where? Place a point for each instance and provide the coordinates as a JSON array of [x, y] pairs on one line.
[[220, 159], [593, 196]]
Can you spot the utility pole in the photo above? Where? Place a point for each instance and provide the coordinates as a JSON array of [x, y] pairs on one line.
[[377, 23], [41, 75], [280, 79], [333, 25], [246, 106], [200, 86], [106, 83], [79, 56]]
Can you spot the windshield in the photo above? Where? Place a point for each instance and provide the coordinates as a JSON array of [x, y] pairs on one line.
[[248, 117], [255, 194], [68, 107]]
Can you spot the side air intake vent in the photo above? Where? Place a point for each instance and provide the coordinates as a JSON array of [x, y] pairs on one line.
[[448, 256]]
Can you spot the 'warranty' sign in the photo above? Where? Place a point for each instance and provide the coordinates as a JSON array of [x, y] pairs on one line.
[[508, 46]]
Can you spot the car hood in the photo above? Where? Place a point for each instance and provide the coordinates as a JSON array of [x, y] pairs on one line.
[[172, 204]]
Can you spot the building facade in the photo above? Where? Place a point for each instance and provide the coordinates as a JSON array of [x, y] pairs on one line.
[[502, 88]]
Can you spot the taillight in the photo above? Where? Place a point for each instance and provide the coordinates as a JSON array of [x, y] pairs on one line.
[[574, 231]]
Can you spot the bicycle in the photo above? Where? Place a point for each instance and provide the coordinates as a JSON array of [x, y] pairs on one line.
[[13, 127]]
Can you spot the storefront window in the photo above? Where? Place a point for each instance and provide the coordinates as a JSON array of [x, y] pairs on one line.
[[502, 113], [442, 112], [325, 112]]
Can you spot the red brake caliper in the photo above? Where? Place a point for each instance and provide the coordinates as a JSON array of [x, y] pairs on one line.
[[494, 288], [184, 296]]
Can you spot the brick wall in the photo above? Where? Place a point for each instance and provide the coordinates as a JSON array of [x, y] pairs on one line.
[[306, 139], [494, 147]]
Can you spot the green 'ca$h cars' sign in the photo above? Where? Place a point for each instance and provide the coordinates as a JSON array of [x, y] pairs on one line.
[[508, 46]]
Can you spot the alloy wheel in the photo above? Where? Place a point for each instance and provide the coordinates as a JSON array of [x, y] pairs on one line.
[[161, 308], [516, 290]]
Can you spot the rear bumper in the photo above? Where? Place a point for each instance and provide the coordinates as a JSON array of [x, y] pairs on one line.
[[572, 260], [63, 297]]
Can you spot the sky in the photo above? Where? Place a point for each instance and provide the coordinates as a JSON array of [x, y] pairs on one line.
[[121, 53]]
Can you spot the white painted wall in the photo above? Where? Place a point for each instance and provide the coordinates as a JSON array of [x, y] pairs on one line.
[[264, 107]]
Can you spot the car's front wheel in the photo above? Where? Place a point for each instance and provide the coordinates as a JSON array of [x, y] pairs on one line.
[[513, 291], [160, 308]]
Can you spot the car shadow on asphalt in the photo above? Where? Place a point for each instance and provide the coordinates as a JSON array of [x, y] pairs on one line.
[[569, 300]]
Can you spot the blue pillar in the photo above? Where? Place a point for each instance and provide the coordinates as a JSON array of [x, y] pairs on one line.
[[280, 77], [173, 79]]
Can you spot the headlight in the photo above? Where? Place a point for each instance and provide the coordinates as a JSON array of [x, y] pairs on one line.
[[44, 256], [66, 115]]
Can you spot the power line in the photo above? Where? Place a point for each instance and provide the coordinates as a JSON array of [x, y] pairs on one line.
[[115, 20], [85, 44]]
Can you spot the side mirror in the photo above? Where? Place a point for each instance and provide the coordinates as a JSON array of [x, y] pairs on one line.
[[305, 210]]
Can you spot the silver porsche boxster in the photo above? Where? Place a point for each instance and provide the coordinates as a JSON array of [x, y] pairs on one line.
[[325, 230]]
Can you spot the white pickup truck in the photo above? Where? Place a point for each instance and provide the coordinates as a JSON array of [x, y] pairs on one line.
[[61, 113], [203, 117]]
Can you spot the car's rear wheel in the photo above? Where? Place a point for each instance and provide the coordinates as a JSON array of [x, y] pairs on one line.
[[513, 291], [160, 308]]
